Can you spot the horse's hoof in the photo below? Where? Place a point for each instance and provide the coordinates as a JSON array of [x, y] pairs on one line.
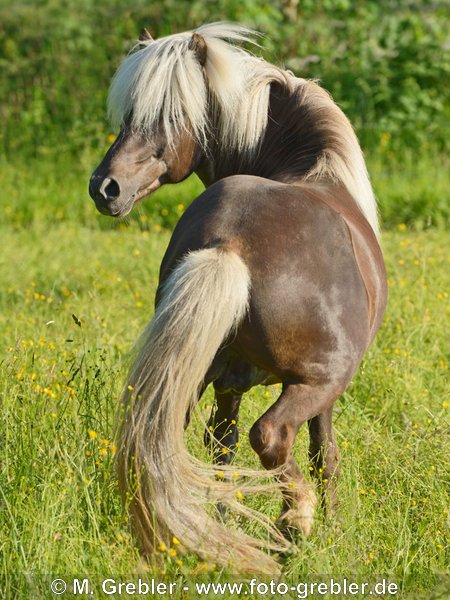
[[299, 520], [293, 550], [222, 511], [291, 533]]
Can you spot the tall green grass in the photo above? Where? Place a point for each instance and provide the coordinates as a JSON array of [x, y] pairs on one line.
[[77, 288]]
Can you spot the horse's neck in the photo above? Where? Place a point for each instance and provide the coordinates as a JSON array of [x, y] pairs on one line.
[[291, 146], [308, 139]]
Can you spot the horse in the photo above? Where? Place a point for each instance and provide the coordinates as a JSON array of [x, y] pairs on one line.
[[274, 274]]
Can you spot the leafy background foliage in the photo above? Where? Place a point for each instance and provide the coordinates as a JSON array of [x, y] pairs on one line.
[[386, 62]]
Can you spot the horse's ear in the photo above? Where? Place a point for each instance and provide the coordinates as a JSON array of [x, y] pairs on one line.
[[198, 45], [145, 36]]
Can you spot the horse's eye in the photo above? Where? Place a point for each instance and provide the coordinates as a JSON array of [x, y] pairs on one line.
[[159, 152]]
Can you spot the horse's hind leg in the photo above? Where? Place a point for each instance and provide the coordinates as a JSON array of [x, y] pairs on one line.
[[273, 436], [324, 456], [222, 433]]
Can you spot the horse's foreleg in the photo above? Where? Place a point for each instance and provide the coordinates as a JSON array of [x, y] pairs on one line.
[[324, 456], [222, 433], [273, 436]]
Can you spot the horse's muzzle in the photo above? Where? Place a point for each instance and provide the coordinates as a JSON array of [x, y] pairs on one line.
[[106, 192]]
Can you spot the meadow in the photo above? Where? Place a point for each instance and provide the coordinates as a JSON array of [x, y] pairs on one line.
[[76, 290]]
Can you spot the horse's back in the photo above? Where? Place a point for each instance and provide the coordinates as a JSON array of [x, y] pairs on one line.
[[310, 302]]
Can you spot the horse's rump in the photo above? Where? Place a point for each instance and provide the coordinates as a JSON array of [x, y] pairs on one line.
[[307, 286]]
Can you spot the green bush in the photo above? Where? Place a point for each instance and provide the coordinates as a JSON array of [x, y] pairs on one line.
[[384, 61]]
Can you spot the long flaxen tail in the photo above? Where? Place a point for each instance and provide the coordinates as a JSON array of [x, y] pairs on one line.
[[169, 492]]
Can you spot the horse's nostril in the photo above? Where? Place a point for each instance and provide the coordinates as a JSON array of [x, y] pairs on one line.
[[110, 189]]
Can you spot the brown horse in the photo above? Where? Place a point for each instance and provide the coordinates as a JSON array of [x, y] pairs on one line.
[[273, 274]]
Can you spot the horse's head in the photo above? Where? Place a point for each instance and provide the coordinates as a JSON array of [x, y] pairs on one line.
[[157, 143], [178, 100], [136, 165]]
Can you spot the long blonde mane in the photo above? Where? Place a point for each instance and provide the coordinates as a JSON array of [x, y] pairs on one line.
[[161, 84]]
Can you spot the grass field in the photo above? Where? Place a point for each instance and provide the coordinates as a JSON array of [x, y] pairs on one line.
[[77, 288]]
